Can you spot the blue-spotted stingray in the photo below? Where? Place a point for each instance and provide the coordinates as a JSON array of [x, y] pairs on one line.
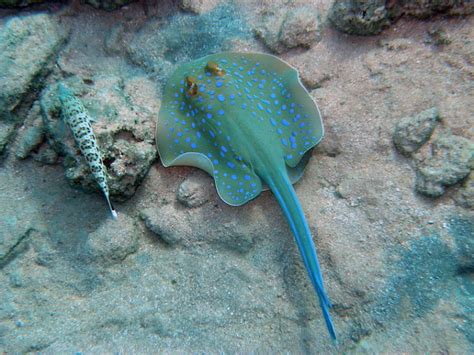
[[245, 119]]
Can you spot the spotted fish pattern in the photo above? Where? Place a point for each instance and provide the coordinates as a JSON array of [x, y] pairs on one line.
[[78, 119], [246, 119]]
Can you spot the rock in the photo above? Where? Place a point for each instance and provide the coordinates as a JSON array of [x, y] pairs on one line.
[[112, 242], [125, 110], [464, 197], [6, 132], [359, 17], [425, 8], [301, 27], [157, 47], [450, 160], [32, 135], [108, 5], [194, 191], [18, 3], [28, 45], [438, 37], [412, 132], [46, 155], [166, 224], [236, 232], [286, 29], [198, 6]]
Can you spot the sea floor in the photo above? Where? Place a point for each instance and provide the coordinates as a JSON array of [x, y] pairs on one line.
[[165, 277]]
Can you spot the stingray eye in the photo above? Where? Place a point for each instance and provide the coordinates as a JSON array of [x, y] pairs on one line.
[[215, 69], [192, 86]]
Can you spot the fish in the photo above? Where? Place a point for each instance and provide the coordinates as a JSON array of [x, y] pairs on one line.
[[245, 119], [78, 119]]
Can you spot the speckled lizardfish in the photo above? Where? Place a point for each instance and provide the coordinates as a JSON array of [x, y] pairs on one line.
[[78, 119], [246, 119]]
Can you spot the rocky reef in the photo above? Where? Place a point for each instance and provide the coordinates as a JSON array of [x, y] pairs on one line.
[[388, 194]]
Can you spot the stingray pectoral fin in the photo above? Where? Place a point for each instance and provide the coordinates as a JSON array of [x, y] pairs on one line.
[[285, 194], [236, 182]]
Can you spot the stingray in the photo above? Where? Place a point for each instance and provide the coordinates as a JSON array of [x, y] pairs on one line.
[[246, 119]]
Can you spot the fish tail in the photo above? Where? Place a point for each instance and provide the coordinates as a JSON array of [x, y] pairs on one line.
[[286, 196], [111, 207]]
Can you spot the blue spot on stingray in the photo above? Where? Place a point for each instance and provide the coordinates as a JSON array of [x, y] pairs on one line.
[[209, 115], [273, 122], [234, 177], [215, 161], [212, 134], [279, 131], [284, 142], [219, 84], [302, 124], [253, 184], [193, 145], [220, 112], [285, 123], [198, 134], [230, 165], [221, 98], [209, 155], [188, 139], [289, 156], [224, 149], [179, 134], [247, 177]]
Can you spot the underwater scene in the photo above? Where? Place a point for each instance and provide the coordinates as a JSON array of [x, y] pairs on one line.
[[224, 176]]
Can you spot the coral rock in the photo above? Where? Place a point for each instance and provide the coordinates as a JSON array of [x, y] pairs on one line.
[[451, 160], [412, 132], [284, 30], [359, 17]]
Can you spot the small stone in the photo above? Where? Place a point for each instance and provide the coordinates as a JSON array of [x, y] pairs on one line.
[[451, 160], [46, 155], [198, 6], [412, 132], [194, 191], [112, 242], [359, 17], [30, 139]]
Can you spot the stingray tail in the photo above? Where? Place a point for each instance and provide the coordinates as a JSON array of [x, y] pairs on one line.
[[286, 196]]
